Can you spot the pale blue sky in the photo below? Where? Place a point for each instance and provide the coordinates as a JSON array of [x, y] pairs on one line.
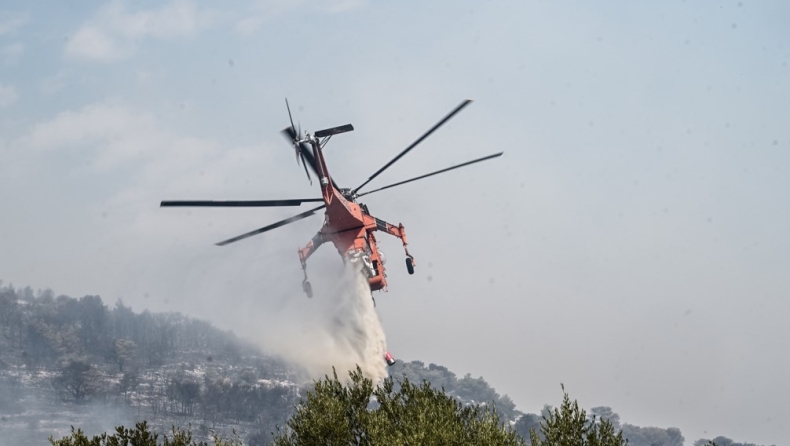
[[631, 243]]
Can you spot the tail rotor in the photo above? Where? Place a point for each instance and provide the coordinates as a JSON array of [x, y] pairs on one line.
[[296, 133]]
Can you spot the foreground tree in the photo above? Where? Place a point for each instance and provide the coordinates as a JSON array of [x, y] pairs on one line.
[[137, 436], [393, 414], [569, 426]]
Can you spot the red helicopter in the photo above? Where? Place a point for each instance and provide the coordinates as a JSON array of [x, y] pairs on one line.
[[347, 223]]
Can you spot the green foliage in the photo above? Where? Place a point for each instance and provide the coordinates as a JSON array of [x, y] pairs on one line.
[[140, 435], [467, 389], [334, 413], [425, 415], [569, 426]]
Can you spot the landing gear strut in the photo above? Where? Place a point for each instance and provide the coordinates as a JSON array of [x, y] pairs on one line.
[[308, 289], [304, 253]]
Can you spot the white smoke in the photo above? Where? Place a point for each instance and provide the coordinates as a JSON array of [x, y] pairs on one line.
[[339, 327]]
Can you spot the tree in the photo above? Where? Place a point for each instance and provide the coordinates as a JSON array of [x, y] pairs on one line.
[[569, 426], [606, 413], [720, 441], [184, 392], [8, 309], [466, 389], [92, 317], [527, 422], [77, 378], [139, 435], [124, 351], [129, 382], [650, 436], [356, 413]]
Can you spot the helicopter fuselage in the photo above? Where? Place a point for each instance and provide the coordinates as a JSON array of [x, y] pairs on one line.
[[350, 227]]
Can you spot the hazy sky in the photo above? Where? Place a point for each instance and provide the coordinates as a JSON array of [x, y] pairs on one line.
[[632, 243]]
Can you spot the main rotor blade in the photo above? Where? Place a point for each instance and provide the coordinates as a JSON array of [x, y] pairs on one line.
[[237, 203], [414, 144], [434, 173], [290, 118], [271, 226]]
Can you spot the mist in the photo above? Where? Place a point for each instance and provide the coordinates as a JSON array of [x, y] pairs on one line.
[[337, 328]]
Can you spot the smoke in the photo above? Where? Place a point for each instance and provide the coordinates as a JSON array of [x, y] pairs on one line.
[[339, 327]]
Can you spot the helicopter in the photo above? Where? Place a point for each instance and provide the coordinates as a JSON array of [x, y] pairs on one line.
[[348, 223]]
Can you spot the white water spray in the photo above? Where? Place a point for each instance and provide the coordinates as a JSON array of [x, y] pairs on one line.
[[356, 327], [339, 327]]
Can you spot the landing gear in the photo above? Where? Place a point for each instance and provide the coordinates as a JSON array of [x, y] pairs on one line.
[[409, 258], [304, 253]]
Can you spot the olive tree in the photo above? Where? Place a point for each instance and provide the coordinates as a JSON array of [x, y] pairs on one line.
[[569, 425], [393, 413]]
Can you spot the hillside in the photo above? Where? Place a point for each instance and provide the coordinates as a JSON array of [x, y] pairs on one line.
[[77, 362], [67, 361]]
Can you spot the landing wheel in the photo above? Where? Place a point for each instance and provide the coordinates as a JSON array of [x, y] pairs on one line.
[[409, 265], [308, 289]]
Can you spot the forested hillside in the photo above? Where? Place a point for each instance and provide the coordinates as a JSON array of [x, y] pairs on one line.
[[70, 361], [80, 362]]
